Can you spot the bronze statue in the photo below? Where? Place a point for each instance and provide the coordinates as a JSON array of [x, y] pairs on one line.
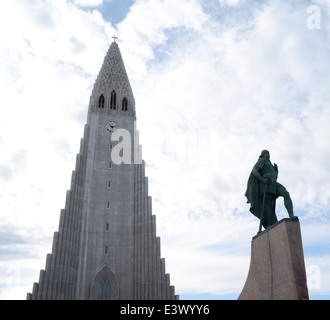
[[263, 190]]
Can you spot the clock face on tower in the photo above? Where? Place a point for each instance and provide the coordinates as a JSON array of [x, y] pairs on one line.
[[112, 126]]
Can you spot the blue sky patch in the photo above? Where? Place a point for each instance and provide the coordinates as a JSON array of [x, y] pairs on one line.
[[115, 11]]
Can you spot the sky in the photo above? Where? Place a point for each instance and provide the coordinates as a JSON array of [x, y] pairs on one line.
[[215, 82]]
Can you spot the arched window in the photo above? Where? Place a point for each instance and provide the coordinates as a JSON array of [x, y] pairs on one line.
[[104, 289], [125, 105], [113, 100], [101, 101]]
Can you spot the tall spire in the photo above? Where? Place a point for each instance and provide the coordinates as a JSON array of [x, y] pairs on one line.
[[106, 246], [113, 77], [113, 72]]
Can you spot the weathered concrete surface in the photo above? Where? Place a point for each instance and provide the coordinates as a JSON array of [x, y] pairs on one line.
[[277, 267]]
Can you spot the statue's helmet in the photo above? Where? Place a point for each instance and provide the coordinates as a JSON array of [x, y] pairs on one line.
[[265, 154]]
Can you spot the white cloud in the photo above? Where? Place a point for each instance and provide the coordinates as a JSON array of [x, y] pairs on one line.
[[209, 98], [88, 3], [146, 25], [229, 2], [264, 98]]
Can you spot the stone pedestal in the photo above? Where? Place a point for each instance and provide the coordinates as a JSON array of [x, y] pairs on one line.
[[277, 267]]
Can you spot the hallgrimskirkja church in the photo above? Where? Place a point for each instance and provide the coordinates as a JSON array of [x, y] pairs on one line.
[[106, 246]]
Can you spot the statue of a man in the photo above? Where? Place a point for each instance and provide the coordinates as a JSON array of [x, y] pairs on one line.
[[263, 190]]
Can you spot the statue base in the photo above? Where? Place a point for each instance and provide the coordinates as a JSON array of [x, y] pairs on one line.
[[277, 267]]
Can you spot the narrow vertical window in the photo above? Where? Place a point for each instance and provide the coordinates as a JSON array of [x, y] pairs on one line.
[[125, 104], [104, 289], [108, 205], [109, 184], [111, 146], [101, 101], [113, 100], [110, 165], [106, 249], [107, 227]]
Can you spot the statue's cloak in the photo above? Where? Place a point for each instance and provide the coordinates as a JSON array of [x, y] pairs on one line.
[[256, 189], [254, 192]]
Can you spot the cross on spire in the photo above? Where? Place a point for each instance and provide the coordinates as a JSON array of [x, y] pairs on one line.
[[114, 38]]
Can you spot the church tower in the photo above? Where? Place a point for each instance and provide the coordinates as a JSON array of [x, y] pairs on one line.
[[106, 245]]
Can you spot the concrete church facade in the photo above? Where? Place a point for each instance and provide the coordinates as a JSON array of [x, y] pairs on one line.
[[106, 246]]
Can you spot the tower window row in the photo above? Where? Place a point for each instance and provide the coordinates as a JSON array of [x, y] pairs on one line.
[[113, 102]]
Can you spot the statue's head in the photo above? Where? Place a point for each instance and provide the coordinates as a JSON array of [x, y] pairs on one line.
[[265, 154]]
